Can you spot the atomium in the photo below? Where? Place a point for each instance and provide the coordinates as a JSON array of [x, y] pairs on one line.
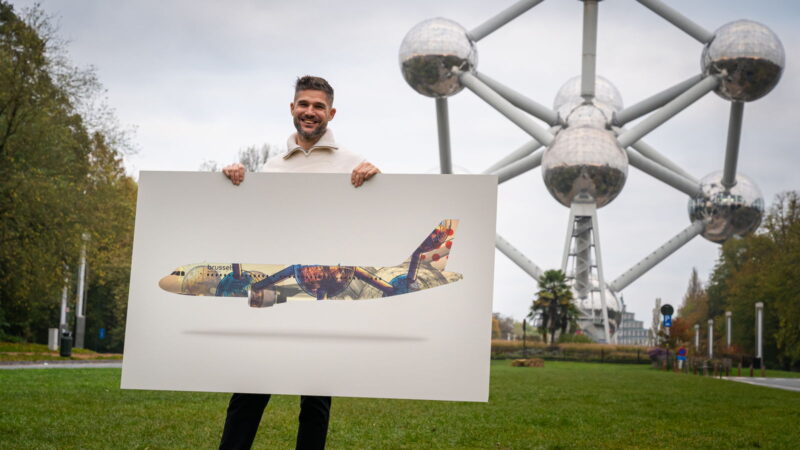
[[589, 138], [201, 280], [727, 212], [606, 97], [431, 52], [592, 309], [748, 57], [584, 160]]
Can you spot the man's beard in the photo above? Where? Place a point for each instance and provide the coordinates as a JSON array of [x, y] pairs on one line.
[[312, 136]]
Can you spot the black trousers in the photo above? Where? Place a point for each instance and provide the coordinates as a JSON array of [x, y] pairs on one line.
[[244, 415]]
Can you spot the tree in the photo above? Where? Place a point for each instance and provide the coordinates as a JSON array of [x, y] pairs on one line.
[[252, 158], [679, 332], [764, 267], [694, 308], [61, 175], [553, 305], [495, 328], [110, 248], [505, 325]]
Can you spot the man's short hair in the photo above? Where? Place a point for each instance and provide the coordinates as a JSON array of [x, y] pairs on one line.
[[308, 82]]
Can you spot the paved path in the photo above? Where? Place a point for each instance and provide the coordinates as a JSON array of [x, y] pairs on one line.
[[789, 384], [96, 364]]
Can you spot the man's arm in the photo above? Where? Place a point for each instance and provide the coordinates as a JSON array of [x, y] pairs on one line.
[[362, 173], [235, 173]]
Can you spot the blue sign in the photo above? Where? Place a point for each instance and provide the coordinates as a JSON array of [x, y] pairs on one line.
[[102, 333], [667, 321]]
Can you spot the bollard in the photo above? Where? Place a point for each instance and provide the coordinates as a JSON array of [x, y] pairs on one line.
[[751, 368], [740, 369]]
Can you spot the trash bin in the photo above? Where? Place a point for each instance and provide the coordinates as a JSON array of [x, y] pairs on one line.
[[65, 347]]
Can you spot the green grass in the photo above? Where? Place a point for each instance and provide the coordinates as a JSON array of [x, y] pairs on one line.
[[12, 351], [562, 405]]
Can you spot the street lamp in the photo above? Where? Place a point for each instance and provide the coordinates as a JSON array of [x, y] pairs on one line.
[[80, 309], [760, 334], [710, 338], [728, 321]]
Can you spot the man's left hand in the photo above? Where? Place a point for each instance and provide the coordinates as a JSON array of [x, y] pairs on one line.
[[362, 173]]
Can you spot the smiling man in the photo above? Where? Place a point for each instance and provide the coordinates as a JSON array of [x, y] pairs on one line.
[[311, 149]]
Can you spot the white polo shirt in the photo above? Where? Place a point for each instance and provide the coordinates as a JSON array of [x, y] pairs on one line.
[[326, 156]]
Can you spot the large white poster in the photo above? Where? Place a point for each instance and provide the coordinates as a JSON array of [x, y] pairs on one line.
[[302, 284]]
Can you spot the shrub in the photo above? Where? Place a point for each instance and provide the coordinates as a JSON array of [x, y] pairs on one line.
[[575, 338]]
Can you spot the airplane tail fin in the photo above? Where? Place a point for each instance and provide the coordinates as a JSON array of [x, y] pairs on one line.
[[435, 249]]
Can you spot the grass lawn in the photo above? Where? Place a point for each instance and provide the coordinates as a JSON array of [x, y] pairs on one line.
[[562, 405], [10, 351]]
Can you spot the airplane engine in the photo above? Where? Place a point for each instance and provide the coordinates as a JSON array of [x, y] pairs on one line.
[[262, 298]]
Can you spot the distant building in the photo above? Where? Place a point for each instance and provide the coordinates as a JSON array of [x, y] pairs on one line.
[[632, 331]]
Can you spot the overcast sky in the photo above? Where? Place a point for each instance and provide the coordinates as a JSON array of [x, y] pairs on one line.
[[202, 79]]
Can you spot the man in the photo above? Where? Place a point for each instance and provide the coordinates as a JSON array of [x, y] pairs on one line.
[[311, 149]]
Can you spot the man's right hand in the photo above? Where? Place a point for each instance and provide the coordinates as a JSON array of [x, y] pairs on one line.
[[235, 173]]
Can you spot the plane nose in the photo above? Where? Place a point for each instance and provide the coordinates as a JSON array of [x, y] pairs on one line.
[[169, 283]]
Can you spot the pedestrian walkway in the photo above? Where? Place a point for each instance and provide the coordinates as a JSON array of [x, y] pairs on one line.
[[72, 364], [789, 384]]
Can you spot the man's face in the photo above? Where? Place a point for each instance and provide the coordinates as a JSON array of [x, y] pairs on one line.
[[311, 111]]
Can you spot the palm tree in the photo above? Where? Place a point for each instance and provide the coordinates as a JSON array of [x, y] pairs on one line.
[[553, 304]]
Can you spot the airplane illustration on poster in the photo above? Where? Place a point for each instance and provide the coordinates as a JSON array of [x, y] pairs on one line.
[[268, 284]]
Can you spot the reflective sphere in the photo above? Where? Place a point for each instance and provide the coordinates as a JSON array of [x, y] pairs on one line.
[[584, 160], [587, 116], [201, 280], [324, 281], [606, 97], [750, 57], [728, 214], [430, 52]]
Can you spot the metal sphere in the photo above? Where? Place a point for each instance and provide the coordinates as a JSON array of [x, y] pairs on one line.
[[324, 280], [587, 116], [201, 280], [606, 97], [430, 52], [727, 213], [750, 58], [587, 161]]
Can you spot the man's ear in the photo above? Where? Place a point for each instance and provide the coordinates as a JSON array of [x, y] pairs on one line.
[[332, 113], [291, 107]]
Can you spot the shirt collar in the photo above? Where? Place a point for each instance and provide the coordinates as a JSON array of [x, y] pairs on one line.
[[327, 141]]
